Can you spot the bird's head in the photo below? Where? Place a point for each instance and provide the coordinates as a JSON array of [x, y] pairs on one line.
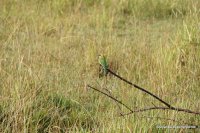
[[100, 56]]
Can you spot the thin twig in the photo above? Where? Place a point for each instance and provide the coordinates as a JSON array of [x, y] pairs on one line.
[[163, 108], [113, 96], [169, 107], [116, 100], [141, 89], [145, 109]]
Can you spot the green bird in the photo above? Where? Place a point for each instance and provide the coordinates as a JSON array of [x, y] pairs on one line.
[[104, 64]]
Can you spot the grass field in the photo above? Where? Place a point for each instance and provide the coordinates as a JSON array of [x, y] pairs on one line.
[[49, 53]]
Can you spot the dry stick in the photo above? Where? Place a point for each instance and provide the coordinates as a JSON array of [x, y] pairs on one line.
[[120, 102], [144, 109], [118, 105], [140, 110], [116, 102], [170, 107], [141, 89], [163, 108]]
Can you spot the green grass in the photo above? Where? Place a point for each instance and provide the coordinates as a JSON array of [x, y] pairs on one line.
[[49, 52]]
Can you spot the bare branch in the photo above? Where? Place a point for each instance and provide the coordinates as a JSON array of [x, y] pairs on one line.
[[163, 108], [141, 89], [116, 100], [145, 109]]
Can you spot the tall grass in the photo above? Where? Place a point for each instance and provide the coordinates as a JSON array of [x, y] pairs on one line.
[[49, 51]]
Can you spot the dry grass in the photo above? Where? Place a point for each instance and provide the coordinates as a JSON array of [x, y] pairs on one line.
[[49, 49]]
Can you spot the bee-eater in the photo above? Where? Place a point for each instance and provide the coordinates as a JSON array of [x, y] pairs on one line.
[[104, 64]]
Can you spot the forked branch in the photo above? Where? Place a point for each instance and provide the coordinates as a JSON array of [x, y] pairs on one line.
[[144, 109], [141, 89]]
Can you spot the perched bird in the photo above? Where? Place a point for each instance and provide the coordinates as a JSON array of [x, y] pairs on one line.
[[104, 64]]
